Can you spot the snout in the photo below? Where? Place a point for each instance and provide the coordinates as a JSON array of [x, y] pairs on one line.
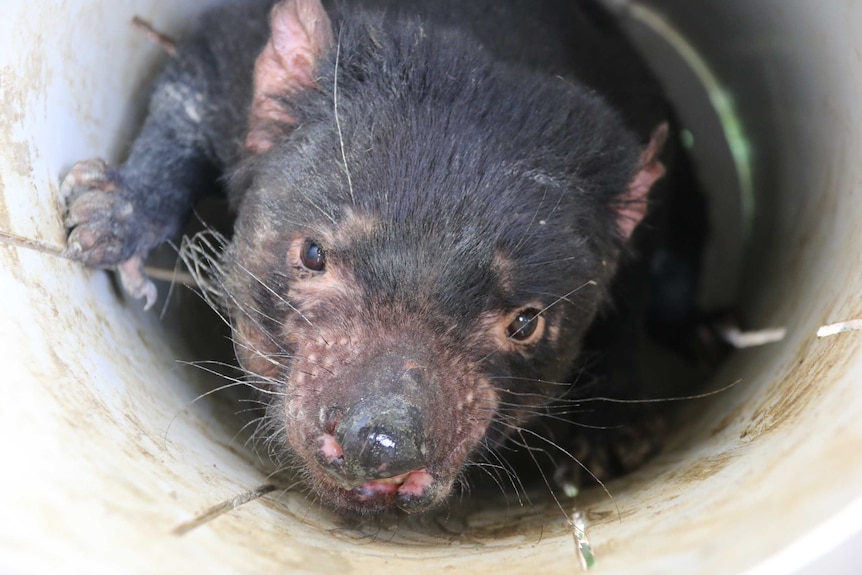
[[378, 438], [377, 447]]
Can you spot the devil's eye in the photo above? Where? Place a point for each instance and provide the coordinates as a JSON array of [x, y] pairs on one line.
[[312, 256], [525, 326]]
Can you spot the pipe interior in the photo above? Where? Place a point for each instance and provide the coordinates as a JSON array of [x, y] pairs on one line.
[[109, 452]]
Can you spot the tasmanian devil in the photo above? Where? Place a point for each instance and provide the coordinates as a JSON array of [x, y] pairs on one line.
[[437, 204]]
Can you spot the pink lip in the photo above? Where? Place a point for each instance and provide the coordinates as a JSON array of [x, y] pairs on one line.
[[411, 483]]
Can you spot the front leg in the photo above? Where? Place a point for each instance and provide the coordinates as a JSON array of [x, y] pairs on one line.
[[116, 216]]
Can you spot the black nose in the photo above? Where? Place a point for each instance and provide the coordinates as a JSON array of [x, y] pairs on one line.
[[380, 437]]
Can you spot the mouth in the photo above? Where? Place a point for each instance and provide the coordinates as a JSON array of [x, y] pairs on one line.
[[413, 492], [407, 485]]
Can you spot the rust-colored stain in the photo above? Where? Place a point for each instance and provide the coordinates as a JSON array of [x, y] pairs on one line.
[[706, 467], [16, 155], [730, 418], [800, 385]]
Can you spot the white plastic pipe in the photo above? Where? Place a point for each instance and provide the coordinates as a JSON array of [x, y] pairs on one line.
[[102, 457]]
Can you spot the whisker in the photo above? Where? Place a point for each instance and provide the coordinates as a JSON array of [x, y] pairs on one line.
[[551, 211], [338, 119], [283, 300], [514, 478], [666, 399], [550, 262], [565, 452], [533, 380], [235, 381], [524, 237]]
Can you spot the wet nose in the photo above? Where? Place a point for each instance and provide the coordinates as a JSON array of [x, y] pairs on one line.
[[379, 438]]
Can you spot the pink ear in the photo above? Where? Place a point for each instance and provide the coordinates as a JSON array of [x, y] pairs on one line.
[[300, 33], [631, 207]]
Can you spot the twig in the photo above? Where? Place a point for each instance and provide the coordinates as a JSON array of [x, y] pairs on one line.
[[840, 327], [167, 43], [742, 339], [172, 275], [220, 509], [35, 245]]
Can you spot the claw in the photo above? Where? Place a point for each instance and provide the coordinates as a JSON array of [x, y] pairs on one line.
[[135, 281], [83, 174], [73, 251]]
